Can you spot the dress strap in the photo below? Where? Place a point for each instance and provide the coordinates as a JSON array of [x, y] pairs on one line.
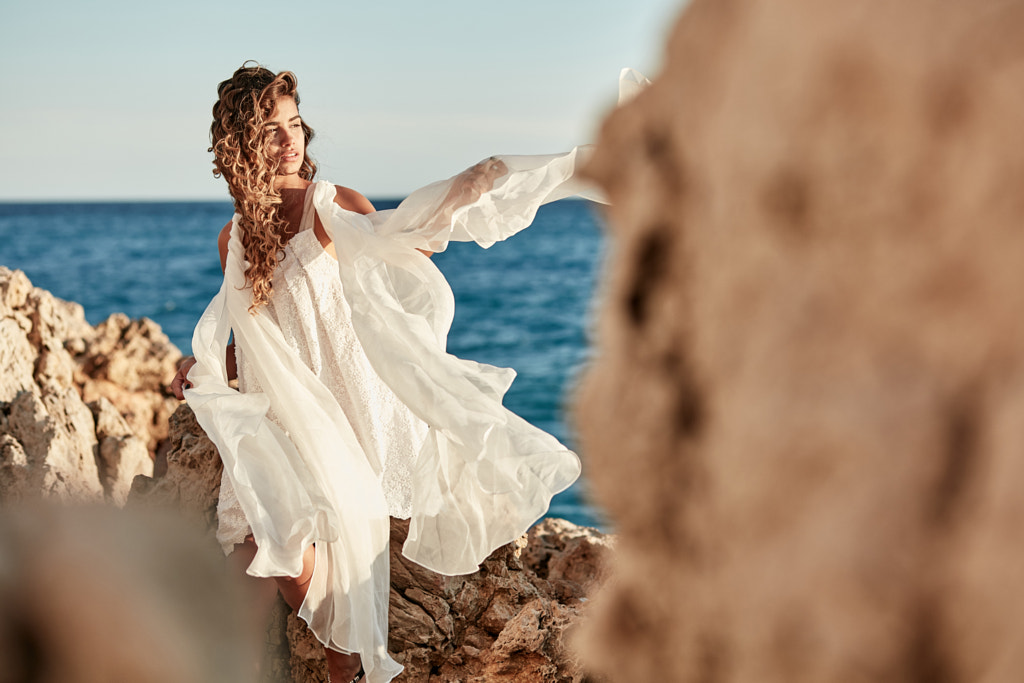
[[308, 213]]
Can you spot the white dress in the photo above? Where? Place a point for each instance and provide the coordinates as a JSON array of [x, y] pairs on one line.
[[352, 410], [309, 307]]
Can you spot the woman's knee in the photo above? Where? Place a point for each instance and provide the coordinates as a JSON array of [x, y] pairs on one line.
[[246, 551], [308, 564]]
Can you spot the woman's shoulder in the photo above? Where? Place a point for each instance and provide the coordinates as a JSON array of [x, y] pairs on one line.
[[351, 200], [222, 243]]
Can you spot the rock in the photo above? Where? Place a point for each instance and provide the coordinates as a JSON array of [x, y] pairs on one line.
[[57, 436], [14, 289], [134, 354], [17, 360], [52, 443], [123, 456], [805, 416], [503, 623], [568, 556], [146, 412], [15, 472], [91, 593], [131, 363], [192, 480], [17, 354]]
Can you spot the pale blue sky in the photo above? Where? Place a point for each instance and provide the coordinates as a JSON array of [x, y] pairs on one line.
[[107, 99]]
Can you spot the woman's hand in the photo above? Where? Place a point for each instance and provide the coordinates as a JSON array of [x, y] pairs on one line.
[[466, 188], [475, 181], [180, 382]]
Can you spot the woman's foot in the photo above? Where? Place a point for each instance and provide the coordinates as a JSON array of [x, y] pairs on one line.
[[343, 668]]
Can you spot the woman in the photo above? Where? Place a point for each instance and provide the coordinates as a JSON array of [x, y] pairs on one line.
[[349, 409]]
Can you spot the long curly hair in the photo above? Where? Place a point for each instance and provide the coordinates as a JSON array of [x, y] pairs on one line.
[[239, 142]]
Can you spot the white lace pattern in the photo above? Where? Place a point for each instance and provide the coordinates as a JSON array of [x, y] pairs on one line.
[[309, 306]]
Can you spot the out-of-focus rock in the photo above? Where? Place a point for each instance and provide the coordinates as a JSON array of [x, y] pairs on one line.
[[52, 363], [94, 594], [506, 622], [805, 419]]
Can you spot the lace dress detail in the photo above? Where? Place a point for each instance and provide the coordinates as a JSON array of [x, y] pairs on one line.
[[309, 307]]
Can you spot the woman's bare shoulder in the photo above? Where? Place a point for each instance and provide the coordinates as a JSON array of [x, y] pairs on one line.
[[351, 200], [222, 244]]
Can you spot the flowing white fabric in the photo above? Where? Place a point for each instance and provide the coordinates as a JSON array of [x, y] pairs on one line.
[[483, 474], [310, 308], [631, 84]]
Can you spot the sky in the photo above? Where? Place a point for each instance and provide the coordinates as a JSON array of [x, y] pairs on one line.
[[111, 100]]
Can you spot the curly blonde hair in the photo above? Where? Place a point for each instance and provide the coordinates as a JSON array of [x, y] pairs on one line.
[[239, 141]]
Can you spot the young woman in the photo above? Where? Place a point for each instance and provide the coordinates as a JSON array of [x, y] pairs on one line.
[[348, 408]]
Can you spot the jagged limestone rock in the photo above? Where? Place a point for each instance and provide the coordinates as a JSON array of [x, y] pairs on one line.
[[123, 456], [53, 444]]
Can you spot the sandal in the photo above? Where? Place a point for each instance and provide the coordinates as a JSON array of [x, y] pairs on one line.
[[359, 676]]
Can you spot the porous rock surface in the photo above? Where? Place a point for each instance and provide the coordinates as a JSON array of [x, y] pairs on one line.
[[807, 414], [83, 410], [509, 621]]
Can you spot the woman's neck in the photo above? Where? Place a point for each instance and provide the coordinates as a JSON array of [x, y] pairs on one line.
[[290, 182]]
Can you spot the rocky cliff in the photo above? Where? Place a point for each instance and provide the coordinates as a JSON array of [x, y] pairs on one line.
[[83, 412], [83, 409]]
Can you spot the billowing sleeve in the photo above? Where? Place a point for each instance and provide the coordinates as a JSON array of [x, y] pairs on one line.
[[484, 474]]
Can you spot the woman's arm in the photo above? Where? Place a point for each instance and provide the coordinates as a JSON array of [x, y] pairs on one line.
[[222, 245], [350, 200]]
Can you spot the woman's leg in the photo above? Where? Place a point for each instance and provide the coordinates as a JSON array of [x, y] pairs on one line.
[[262, 590], [342, 667]]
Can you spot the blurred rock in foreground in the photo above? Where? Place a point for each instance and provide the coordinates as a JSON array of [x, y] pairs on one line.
[[97, 594], [807, 414], [83, 409]]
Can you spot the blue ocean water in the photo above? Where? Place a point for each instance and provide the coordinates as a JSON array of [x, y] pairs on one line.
[[523, 303]]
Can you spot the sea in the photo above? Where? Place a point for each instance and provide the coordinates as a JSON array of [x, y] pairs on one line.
[[525, 303]]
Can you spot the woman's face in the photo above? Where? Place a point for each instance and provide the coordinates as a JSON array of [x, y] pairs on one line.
[[287, 141]]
